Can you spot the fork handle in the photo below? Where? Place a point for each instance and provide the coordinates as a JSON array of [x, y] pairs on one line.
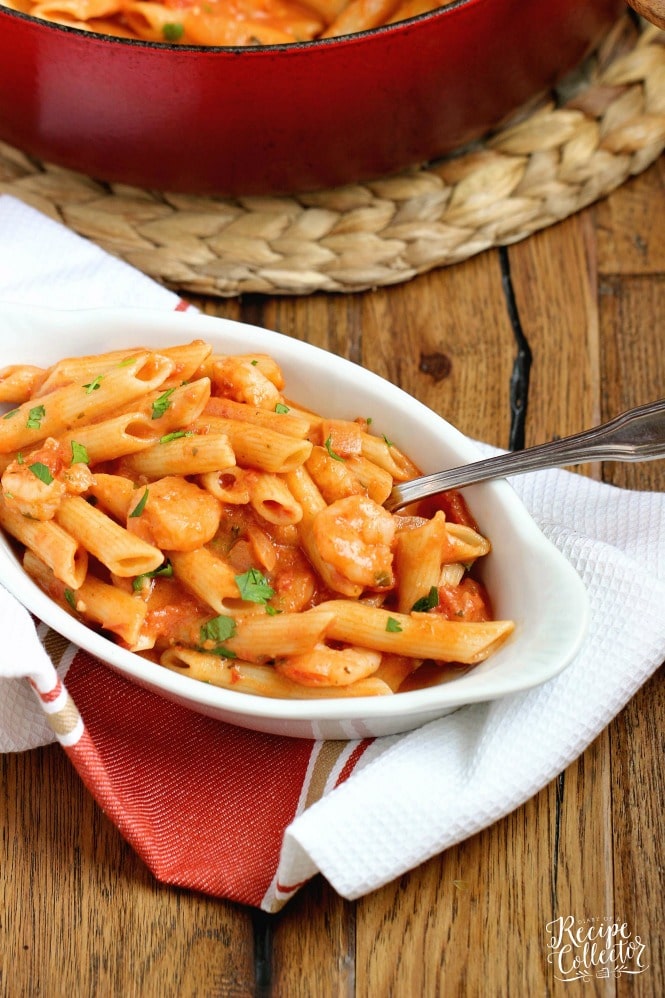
[[635, 435]]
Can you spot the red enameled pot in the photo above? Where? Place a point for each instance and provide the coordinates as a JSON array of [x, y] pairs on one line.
[[283, 118]]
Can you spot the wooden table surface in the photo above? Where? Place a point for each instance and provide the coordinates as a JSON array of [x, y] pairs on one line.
[[80, 915]]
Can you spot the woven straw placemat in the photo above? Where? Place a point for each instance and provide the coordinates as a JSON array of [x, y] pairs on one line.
[[604, 124]]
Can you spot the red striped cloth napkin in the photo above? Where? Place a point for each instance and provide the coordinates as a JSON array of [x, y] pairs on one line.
[[251, 817]]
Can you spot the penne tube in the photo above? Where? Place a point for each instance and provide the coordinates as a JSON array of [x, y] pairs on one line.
[[360, 15], [386, 455], [186, 454], [228, 485], [95, 601], [122, 552], [171, 408], [395, 669], [208, 577], [111, 608], [186, 358], [77, 370], [417, 635], [465, 544], [259, 680], [262, 638], [66, 557], [418, 559], [272, 419], [113, 438], [19, 382], [114, 493], [271, 498], [256, 446], [74, 405]]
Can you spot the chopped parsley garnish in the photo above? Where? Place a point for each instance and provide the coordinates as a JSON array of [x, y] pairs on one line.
[[161, 404], [281, 408], [140, 506], [35, 417], [93, 386], [12, 412], [215, 632], [393, 626], [387, 442], [254, 586], [164, 572], [19, 458], [176, 435], [71, 599], [173, 31], [426, 603], [42, 472], [328, 446], [79, 453]]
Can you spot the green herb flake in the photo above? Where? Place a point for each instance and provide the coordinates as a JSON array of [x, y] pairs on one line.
[[176, 435], [93, 386], [334, 456], [254, 586], [71, 599], [173, 31], [140, 506], [42, 472], [387, 442], [79, 453], [162, 404], [35, 417], [282, 409], [215, 632], [165, 571], [11, 414], [426, 603], [272, 611], [19, 458], [127, 362], [393, 626]]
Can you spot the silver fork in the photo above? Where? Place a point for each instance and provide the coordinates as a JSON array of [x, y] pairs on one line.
[[635, 435]]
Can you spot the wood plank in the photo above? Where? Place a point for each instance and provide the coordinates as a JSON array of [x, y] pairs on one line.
[[81, 914]]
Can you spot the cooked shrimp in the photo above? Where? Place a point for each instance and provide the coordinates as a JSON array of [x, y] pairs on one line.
[[35, 483], [354, 536]]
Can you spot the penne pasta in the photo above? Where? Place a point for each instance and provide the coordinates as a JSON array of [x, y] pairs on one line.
[[231, 536], [76, 404], [259, 680], [258, 447], [184, 453], [220, 23], [420, 635], [122, 552], [65, 556]]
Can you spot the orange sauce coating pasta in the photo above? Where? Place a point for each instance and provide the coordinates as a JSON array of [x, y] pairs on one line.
[[268, 564], [225, 22]]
